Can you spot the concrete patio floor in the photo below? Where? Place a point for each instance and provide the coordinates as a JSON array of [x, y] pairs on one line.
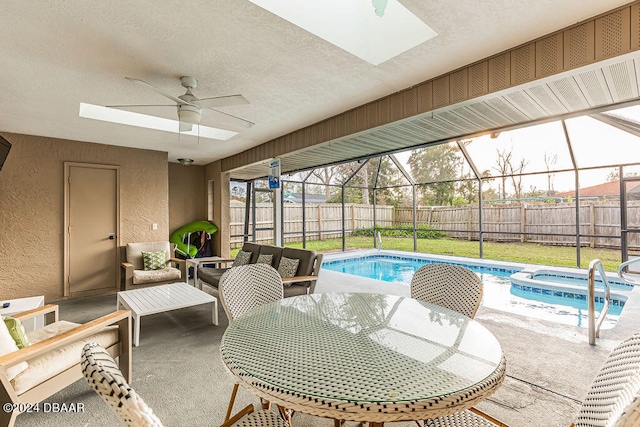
[[178, 371]]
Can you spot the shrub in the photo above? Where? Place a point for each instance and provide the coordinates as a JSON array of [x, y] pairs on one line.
[[423, 232]]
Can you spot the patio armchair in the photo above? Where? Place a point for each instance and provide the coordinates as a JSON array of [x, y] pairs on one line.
[[613, 399], [135, 274], [104, 376], [51, 361], [454, 287]]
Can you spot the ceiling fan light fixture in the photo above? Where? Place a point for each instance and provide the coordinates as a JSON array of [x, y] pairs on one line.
[[185, 162], [189, 114]]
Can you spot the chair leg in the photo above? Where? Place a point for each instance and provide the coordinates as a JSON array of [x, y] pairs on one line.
[[488, 417], [231, 402], [286, 415], [231, 421]]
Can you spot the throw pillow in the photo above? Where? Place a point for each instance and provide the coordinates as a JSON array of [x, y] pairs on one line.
[[17, 331], [242, 258], [8, 345], [265, 259], [288, 267], [154, 260]]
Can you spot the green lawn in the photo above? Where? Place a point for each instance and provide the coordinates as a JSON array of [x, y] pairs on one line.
[[517, 252]]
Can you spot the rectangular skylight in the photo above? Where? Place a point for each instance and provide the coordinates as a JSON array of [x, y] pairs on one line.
[[114, 115], [373, 30]]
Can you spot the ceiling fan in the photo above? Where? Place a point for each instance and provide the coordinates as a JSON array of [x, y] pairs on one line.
[[190, 107]]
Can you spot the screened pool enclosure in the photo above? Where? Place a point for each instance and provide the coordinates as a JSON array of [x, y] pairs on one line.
[[571, 183]]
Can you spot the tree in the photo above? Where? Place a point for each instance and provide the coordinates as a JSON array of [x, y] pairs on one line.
[[516, 177], [549, 161], [467, 190], [502, 167], [239, 191], [389, 176], [325, 176], [438, 166], [505, 167]]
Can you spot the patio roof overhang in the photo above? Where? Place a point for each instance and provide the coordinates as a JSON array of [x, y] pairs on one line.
[[565, 74], [586, 90]]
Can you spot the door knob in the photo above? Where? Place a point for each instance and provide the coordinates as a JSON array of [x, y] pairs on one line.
[[112, 236]]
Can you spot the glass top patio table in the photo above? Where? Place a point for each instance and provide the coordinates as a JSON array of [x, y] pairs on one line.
[[363, 357]]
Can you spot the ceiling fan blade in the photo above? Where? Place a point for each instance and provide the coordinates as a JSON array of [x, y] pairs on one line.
[[221, 101], [157, 90], [140, 106], [228, 118], [185, 127]]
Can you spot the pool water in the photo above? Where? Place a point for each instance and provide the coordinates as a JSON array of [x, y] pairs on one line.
[[498, 292]]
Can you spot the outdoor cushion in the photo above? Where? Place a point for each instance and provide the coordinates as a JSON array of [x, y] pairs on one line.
[[288, 266], [134, 252], [306, 257], [8, 345], [265, 259], [242, 258], [148, 276], [211, 276], [154, 260], [17, 331], [272, 250], [254, 248], [43, 367]]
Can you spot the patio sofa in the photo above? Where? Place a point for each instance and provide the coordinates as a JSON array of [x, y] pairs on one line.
[[301, 283]]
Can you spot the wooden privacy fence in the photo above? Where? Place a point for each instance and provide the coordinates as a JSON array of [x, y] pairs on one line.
[[323, 221], [549, 223]]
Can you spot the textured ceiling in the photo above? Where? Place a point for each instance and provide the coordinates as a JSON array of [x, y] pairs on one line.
[[56, 54]]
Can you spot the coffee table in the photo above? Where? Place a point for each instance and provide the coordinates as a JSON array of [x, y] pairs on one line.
[[159, 299]]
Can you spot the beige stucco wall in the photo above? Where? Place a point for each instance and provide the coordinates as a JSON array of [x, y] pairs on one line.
[[187, 195], [32, 207]]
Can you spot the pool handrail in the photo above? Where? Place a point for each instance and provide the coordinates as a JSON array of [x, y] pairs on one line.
[[623, 266], [594, 325]]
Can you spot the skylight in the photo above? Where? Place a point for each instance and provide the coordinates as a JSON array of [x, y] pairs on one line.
[[373, 30], [113, 115]]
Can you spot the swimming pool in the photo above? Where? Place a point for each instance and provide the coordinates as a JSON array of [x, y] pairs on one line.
[[544, 294]]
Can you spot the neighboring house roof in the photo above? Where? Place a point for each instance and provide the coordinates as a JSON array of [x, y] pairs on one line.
[[308, 198], [607, 189]]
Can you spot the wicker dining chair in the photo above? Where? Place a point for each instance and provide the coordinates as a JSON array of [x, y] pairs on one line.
[[248, 418], [447, 285], [241, 289], [613, 400], [248, 286], [104, 376]]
